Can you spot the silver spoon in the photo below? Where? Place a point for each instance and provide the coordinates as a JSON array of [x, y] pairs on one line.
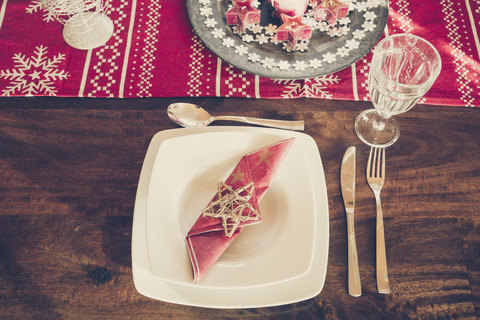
[[190, 115]]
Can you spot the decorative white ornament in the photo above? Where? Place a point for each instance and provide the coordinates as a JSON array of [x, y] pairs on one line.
[[86, 26]]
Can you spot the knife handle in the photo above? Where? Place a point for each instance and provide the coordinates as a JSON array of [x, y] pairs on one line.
[[354, 285]]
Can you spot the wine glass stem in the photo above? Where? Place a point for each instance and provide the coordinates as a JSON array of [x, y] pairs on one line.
[[379, 122]]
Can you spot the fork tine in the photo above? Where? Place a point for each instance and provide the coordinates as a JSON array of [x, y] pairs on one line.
[[369, 164], [378, 163], [383, 163]]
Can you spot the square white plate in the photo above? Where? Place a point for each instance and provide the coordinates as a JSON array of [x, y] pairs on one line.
[[281, 260]]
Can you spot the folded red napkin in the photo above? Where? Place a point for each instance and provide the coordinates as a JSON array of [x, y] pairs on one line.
[[234, 206]]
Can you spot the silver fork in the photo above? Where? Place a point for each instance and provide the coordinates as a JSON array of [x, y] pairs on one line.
[[375, 179]]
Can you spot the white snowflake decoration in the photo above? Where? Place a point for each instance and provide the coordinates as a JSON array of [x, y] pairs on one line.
[[37, 5], [300, 65], [34, 75], [329, 57], [241, 50], [228, 42], [218, 33], [315, 63], [268, 63], [284, 65], [254, 57], [206, 11], [309, 88], [271, 29], [210, 22]]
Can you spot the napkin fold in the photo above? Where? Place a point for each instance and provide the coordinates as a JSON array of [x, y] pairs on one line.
[[211, 236]]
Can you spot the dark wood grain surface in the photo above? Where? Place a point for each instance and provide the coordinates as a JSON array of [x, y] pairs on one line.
[[69, 170]]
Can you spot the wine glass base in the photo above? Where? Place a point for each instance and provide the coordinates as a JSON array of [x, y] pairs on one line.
[[88, 30], [374, 135]]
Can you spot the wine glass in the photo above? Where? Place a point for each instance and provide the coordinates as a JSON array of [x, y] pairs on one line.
[[403, 69]]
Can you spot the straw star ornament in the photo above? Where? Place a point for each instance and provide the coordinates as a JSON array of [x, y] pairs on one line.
[[232, 206]]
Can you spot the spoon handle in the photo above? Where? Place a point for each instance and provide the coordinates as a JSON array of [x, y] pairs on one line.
[[297, 125]]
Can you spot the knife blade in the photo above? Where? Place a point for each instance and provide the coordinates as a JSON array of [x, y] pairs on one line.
[[347, 182]]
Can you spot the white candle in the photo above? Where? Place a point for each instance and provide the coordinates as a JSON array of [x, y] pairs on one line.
[[290, 7]]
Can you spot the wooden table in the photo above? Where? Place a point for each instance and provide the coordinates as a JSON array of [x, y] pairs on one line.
[[69, 169]]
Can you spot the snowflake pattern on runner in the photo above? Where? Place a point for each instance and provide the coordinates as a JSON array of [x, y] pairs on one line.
[[34, 75], [36, 5], [308, 88], [265, 34]]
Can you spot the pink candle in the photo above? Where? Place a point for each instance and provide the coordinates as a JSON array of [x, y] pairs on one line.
[[293, 30], [242, 14], [330, 10]]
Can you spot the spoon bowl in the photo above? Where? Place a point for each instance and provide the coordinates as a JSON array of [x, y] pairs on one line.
[[190, 115]]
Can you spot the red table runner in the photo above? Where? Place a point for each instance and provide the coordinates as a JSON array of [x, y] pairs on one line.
[[155, 53]]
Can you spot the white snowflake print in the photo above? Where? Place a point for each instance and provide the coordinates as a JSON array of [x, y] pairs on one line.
[[300, 65], [342, 51], [262, 39], [369, 15], [268, 63], [362, 6], [369, 25], [206, 11], [271, 29], [308, 88], [283, 65], [256, 28], [34, 75], [315, 63], [210, 22], [241, 50], [358, 34], [352, 44], [254, 57], [247, 38], [372, 3], [344, 21], [218, 33], [228, 42], [329, 57], [37, 5]]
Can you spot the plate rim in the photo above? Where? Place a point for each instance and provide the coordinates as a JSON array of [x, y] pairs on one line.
[[144, 281]]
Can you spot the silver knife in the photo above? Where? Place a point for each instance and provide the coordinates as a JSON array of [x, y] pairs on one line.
[[347, 182]]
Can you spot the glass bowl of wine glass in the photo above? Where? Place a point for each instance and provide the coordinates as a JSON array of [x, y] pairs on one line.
[[403, 68]]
